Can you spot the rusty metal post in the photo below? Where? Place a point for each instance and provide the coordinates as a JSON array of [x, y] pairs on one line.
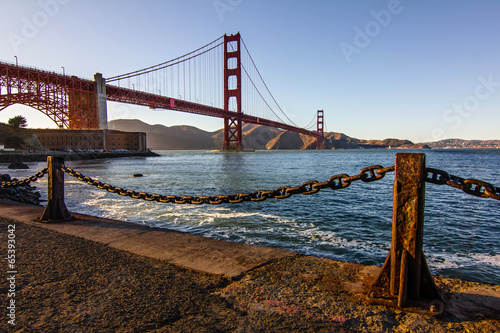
[[405, 279], [56, 208]]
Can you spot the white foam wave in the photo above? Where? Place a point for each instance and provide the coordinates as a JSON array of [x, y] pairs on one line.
[[460, 260], [252, 227]]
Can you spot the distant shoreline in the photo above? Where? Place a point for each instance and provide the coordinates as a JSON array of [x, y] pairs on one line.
[[42, 156]]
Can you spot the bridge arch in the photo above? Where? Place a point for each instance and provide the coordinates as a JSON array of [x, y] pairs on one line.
[[53, 110], [69, 101]]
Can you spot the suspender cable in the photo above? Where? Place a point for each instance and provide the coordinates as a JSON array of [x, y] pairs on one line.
[[251, 59], [163, 64]]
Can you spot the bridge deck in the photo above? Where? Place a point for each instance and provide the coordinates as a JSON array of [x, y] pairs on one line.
[[18, 83]]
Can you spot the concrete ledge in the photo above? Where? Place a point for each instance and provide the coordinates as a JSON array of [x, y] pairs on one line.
[[190, 251]]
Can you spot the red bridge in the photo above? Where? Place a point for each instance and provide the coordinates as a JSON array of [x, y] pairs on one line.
[[208, 81]]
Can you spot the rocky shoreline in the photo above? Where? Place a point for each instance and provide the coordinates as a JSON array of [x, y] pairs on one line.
[[42, 156], [25, 194]]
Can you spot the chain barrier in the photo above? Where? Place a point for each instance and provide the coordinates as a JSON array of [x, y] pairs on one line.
[[26, 181], [368, 174], [470, 186], [372, 173]]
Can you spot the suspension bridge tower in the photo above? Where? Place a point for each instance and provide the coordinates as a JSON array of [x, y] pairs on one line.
[[320, 142], [232, 92]]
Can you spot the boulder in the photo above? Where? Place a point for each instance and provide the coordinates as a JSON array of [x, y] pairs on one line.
[[18, 165]]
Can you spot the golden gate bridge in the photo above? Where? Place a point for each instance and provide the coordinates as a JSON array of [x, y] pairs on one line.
[[219, 79]]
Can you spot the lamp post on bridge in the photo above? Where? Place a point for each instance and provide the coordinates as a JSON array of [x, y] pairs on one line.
[[64, 73], [16, 61]]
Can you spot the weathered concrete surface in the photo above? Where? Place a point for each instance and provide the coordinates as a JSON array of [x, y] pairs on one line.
[[186, 250], [72, 284]]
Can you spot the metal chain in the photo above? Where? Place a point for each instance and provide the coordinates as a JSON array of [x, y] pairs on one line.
[[25, 181], [372, 173], [471, 186], [368, 174]]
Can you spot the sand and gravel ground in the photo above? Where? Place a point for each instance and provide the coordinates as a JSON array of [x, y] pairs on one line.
[[68, 284]]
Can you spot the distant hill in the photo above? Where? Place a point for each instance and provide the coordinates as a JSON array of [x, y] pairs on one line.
[[160, 137], [255, 136], [459, 143]]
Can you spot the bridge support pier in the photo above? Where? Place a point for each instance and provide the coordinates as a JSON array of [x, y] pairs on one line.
[[233, 140], [102, 111]]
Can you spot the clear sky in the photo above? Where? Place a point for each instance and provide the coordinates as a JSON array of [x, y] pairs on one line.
[[411, 69]]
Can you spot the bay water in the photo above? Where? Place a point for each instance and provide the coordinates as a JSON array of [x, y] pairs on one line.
[[461, 236]]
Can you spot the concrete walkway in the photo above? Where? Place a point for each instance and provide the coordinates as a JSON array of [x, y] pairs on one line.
[[74, 277], [190, 251]]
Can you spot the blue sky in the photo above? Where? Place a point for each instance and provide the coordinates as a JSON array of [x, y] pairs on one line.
[[411, 69]]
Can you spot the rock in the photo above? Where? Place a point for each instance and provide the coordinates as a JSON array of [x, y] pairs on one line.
[[25, 194], [5, 178], [18, 165], [138, 175]]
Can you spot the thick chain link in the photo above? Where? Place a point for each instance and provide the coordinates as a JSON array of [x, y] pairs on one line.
[[471, 186], [368, 174], [26, 181], [372, 173]]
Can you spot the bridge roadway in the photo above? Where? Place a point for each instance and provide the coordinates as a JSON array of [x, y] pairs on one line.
[[153, 101], [34, 84]]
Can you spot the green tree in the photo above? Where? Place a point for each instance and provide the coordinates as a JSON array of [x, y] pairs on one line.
[[18, 122]]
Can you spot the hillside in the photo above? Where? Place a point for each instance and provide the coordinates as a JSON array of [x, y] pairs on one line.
[[459, 143], [18, 138], [161, 137]]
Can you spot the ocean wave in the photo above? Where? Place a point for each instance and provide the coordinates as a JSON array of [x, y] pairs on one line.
[[351, 224], [459, 260]]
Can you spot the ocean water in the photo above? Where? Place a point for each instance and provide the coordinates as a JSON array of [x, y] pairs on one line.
[[461, 232]]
